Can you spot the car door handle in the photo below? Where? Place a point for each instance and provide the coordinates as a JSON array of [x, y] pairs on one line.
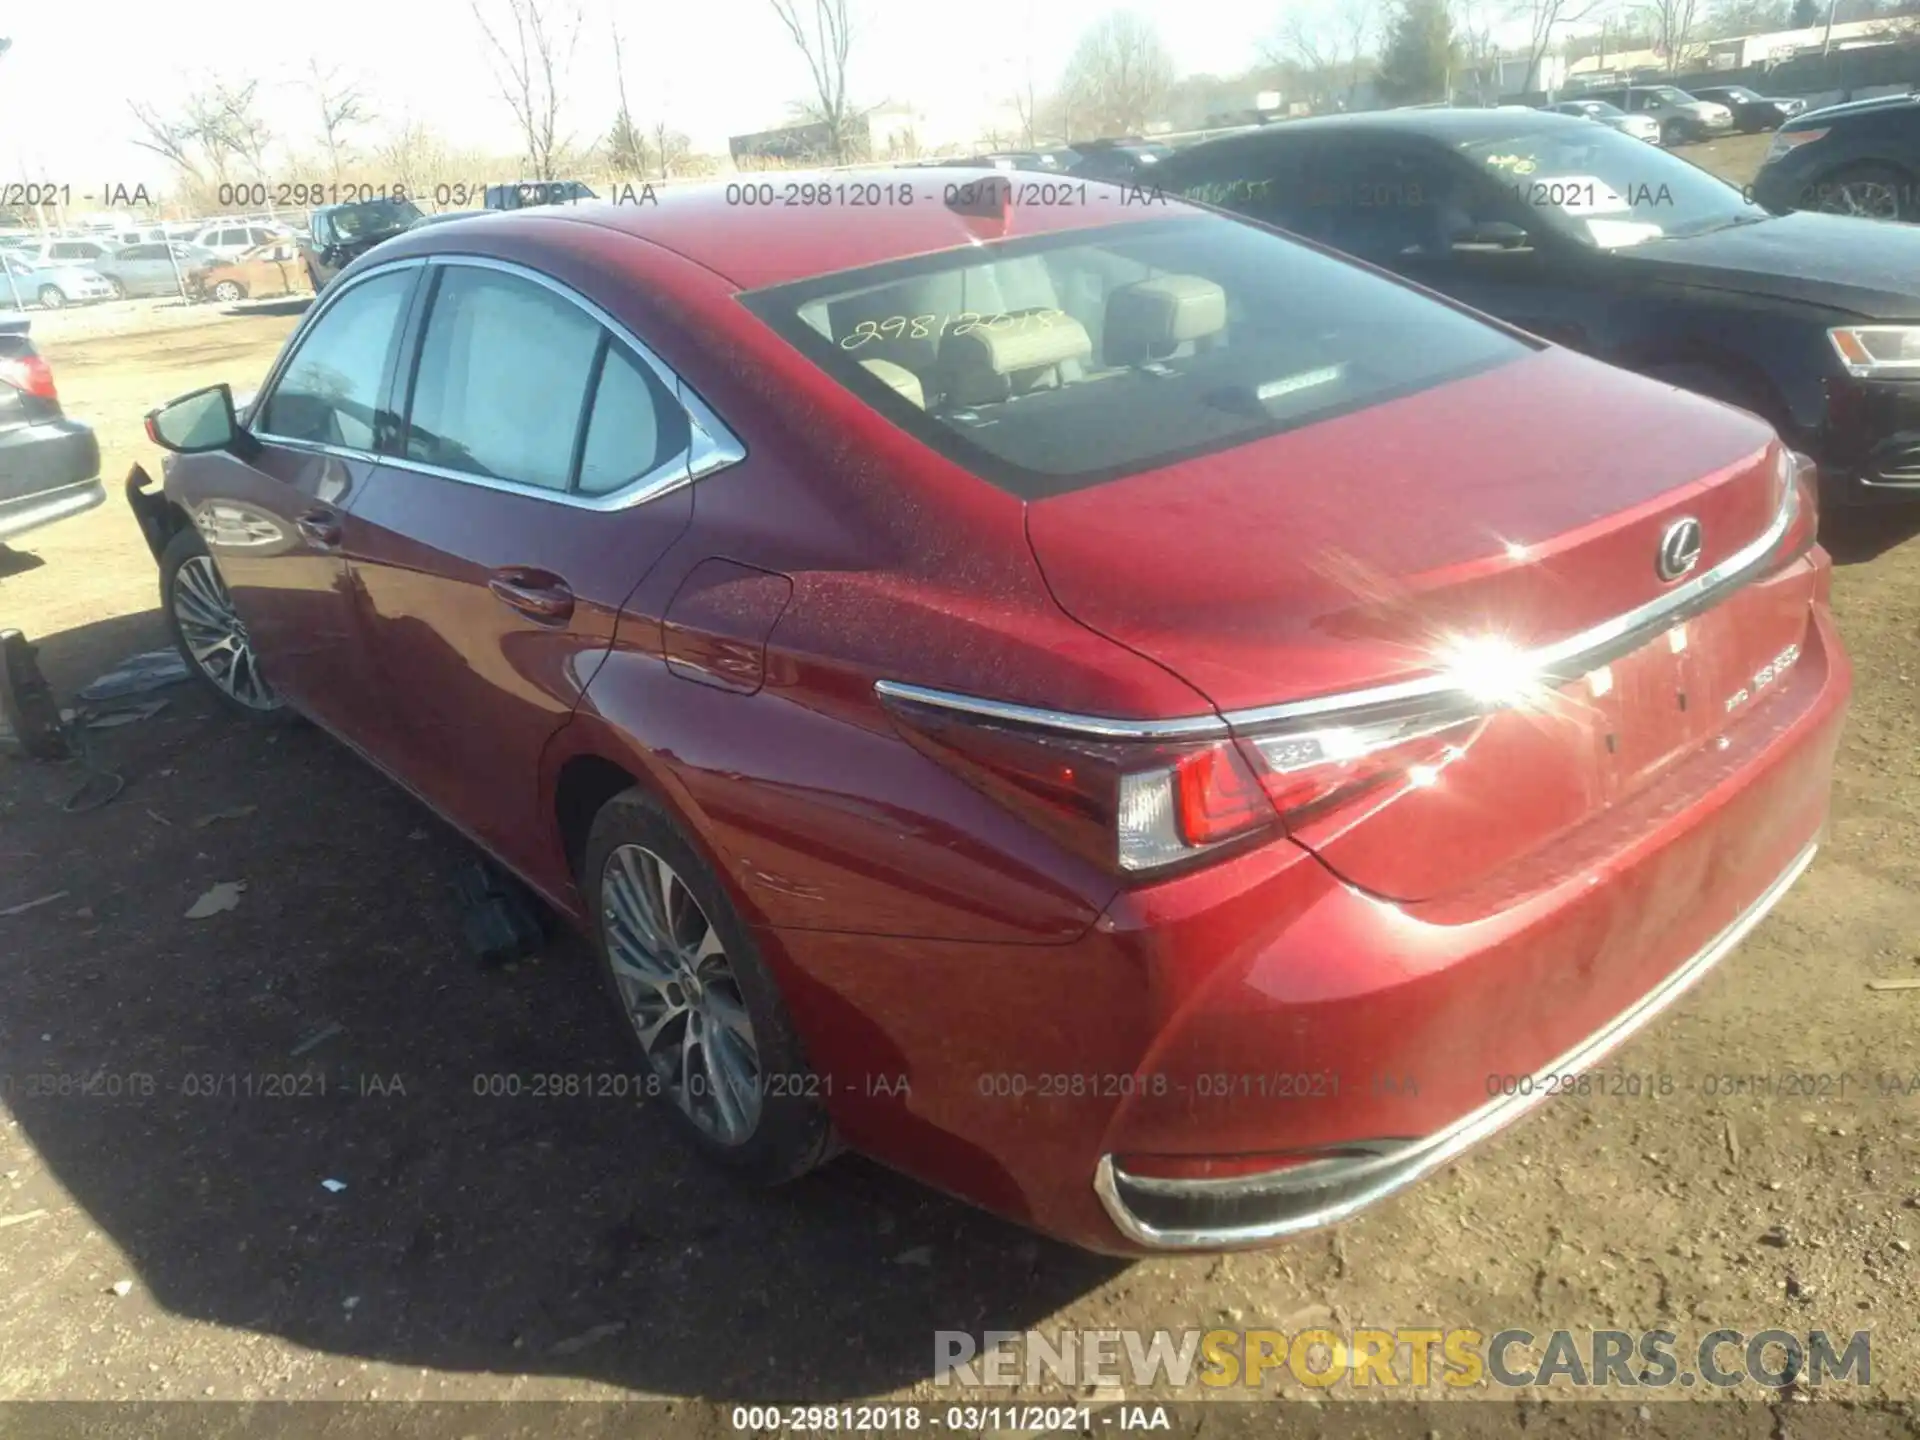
[[320, 528], [533, 593]]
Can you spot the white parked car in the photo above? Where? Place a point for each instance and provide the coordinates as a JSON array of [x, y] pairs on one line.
[[231, 241], [66, 250]]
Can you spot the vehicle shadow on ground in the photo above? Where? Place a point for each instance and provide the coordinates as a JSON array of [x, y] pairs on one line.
[[16, 562], [1855, 534], [292, 305], [210, 1075]]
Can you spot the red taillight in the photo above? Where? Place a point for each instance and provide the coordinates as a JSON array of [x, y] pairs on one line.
[[31, 375], [1143, 805], [1305, 773], [1215, 797], [1126, 804]]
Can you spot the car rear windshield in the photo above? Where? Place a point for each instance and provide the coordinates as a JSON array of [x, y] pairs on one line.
[[1049, 364]]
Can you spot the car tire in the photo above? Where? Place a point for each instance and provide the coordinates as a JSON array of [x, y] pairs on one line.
[[195, 602], [1872, 192], [789, 1133], [52, 297], [119, 290], [229, 291]]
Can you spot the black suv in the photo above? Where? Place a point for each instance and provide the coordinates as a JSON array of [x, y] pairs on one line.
[[1858, 159], [1599, 242], [343, 233], [49, 465]]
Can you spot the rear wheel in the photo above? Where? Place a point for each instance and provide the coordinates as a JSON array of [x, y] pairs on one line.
[[228, 291], [210, 633], [697, 1000], [1872, 192]]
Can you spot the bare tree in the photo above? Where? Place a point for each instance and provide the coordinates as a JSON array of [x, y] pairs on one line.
[[1545, 17], [1671, 22], [1118, 75], [173, 139], [826, 48], [1326, 46], [670, 148], [533, 51], [342, 106], [626, 146]]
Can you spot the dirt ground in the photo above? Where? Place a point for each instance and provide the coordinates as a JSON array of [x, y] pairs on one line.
[[490, 1248]]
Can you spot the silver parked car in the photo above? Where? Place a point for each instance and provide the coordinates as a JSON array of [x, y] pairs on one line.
[[138, 271], [51, 286], [1680, 115], [1640, 127]]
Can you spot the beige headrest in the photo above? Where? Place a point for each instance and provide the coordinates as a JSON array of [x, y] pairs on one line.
[[1150, 317], [988, 363], [899, 377]]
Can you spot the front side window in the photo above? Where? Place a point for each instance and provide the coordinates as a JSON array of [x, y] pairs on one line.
[[329, 393], [503, 377], [1052, 363]]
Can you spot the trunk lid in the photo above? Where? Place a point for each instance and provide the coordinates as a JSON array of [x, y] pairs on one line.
[[1524, 506]]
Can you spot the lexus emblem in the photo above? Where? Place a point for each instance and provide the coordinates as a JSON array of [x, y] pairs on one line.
[[1679, 549]]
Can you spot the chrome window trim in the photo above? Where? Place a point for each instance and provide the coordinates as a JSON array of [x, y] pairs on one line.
[[1389, 1166], [1564, 660], [711, 446]]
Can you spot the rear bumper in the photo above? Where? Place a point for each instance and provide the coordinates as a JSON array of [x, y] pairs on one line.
[[32, 511], [1165, 1214], [47, 472], [1260, 1015]]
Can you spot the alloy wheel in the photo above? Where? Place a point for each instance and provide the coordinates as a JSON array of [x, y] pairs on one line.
[[226, 292], [216, 636], [680, 993], [1869, 199]]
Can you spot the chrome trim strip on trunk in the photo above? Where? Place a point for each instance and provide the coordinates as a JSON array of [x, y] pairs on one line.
[[1410, 1160], [1564, 660]]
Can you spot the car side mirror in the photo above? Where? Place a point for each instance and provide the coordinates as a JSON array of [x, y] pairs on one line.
[[197, 423], [1492, 235]]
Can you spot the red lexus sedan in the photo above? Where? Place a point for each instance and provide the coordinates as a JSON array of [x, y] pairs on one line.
[[1133, 719]]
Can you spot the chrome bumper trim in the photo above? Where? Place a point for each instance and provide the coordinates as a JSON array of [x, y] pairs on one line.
[[1394, 1166], [50, 505]]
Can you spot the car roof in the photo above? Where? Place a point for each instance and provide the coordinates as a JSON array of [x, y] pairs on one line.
[[1447, 127], [1854, 107], [753, 246]]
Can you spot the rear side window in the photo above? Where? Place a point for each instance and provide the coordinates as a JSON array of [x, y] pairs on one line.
[[1053, 363], [503, 378], [635, 427], [329, 393]]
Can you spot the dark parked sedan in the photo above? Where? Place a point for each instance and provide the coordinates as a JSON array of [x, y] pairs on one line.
[[1860, 159], [1063, 699], [49, 464], [1753, 113], [1133, 161], [340, 234], [1598, 242]]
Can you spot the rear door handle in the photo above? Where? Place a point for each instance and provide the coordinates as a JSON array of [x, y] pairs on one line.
[[533, 593], [320, 528]]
